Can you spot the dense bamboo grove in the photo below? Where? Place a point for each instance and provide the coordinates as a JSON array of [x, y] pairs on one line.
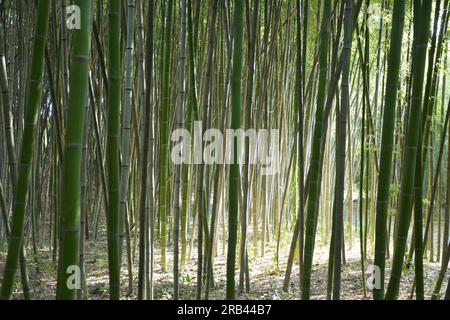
[[257, 149]]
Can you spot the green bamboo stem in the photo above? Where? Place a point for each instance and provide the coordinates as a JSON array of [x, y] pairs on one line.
[[112, 147], [164, 131], [71, 189], [312, 208], [422, 13], [27, 148], [179, 125], [390, 100], [126, 125], [340, 168], [236, 105]]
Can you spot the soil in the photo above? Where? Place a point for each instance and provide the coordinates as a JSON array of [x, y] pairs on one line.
[[266, 277]]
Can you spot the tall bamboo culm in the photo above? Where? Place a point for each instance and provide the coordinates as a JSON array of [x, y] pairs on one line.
[[314, 181], [71, 189], [236, 105], [422, 13], [112, 146], [27, 148], [387, 140]]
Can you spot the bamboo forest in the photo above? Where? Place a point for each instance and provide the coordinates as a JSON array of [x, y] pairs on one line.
[[224, 150]]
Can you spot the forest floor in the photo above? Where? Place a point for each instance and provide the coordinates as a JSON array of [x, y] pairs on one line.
[[266, 278]]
